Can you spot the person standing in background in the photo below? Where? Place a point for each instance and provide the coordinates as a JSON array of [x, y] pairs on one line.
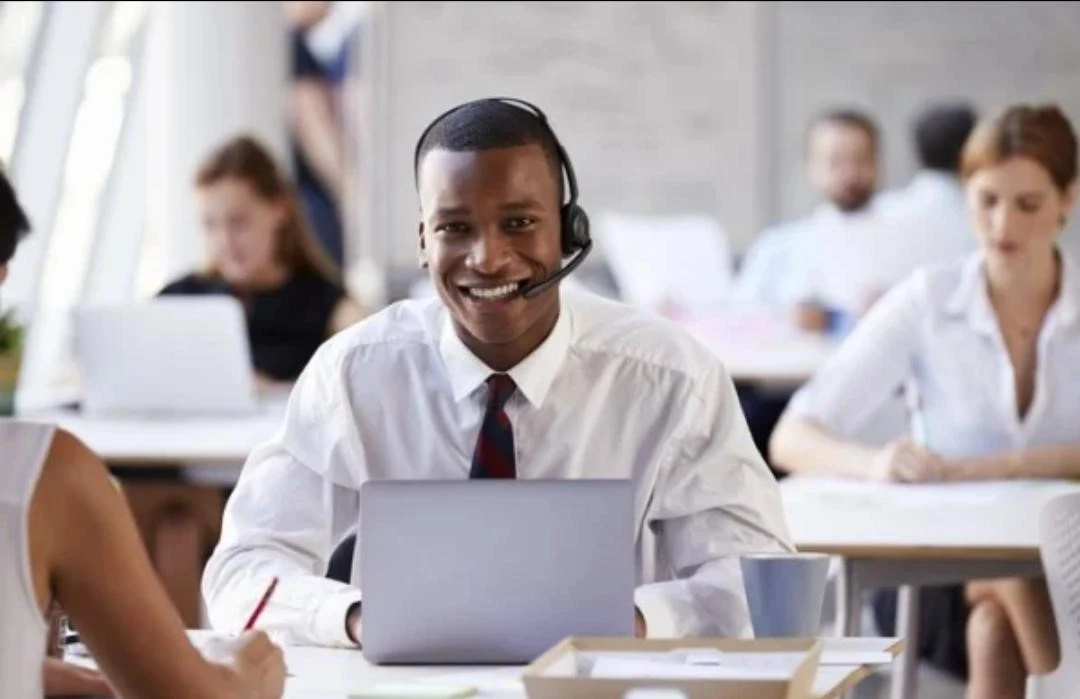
[[316, 123]]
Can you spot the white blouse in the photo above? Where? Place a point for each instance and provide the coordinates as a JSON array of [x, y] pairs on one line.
[[937, 328], [24, 447]]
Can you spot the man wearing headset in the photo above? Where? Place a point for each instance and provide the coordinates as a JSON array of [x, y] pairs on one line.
[[504, 375]]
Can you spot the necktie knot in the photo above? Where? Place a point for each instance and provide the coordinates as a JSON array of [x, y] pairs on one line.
[[500, 388]]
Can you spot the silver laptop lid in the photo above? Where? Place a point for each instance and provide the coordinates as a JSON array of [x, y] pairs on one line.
[[492, 571]]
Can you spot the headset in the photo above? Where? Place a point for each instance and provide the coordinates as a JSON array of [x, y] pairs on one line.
[[575, 238]]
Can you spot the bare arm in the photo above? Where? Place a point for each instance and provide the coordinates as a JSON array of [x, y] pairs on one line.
[[86, 551], [819, 430], [346, 313], [62, 679], [319, 132], [1052, 462], [800, 445]]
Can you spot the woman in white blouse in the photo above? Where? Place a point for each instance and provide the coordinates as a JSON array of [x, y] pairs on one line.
[[992, 343]]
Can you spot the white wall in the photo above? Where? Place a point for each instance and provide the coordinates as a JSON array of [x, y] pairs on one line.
[[214, 69], [699, 105], [657, 104], [891, 57]]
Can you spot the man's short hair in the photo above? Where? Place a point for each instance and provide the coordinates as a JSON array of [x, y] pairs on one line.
[[940, 132], [847, 116], [487, 125], [13, 221]]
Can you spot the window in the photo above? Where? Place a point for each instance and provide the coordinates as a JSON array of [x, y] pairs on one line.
[[19, 28], [99, 120]]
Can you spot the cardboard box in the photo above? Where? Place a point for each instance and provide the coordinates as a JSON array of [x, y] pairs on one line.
[[557, 673]]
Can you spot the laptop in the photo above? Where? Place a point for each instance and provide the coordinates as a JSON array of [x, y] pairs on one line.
[[492, 572], [169, 357]]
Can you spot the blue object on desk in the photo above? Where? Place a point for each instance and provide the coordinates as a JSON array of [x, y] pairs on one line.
[[839, 323]]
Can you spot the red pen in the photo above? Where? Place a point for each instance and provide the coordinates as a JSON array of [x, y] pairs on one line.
[[261, 605]]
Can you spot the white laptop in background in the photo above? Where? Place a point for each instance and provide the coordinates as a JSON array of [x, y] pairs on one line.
[[182, 356]]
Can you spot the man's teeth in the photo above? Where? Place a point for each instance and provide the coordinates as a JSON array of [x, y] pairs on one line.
[[494, 292]]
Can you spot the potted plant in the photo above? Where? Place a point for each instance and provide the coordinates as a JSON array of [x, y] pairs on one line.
[[11, 342]]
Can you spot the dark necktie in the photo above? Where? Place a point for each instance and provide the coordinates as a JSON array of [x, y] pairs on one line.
[[494, 455]]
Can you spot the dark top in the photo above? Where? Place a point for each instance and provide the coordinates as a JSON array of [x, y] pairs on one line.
[[284, 325]]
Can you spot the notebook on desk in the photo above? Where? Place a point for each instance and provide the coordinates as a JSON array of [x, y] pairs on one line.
[[176, 356]]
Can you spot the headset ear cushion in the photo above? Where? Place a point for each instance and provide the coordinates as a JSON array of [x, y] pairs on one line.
[[575, 229]]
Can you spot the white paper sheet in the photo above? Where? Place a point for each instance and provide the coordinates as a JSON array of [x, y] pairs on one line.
[[697, 664], [684, 259], [921, 495], [839, 657]]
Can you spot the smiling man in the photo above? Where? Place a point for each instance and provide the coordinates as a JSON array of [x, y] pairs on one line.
[[503, 375]]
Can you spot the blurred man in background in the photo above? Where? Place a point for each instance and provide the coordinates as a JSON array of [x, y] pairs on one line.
[[821, 268], [823, 271]]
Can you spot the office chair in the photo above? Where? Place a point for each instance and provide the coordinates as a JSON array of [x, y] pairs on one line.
[[340, 566]]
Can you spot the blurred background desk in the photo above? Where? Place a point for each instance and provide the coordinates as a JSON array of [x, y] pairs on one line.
[[759, 347], [905, 536], [175, 473], [189, 440]]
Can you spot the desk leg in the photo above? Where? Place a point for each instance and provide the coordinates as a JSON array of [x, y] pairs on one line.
[[905, 677], [849, 597]]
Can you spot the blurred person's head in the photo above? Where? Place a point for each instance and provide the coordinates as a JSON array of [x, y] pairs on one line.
[[489, 181], [13, 224], [940, 132], [256, 234], [304, 15], [842, 157], [1020, 172]]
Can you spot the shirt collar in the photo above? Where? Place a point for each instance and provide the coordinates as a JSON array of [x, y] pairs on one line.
[[1068, 304], [970, 298], [829, 213], [532, 375], [934, 180]]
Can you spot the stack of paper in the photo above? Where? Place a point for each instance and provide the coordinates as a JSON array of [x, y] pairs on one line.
[[696, 664]]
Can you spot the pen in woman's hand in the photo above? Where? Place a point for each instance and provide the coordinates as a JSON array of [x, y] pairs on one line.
[[257, 612]]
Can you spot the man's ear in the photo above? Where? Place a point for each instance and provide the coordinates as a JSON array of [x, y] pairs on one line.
[[422, 247]]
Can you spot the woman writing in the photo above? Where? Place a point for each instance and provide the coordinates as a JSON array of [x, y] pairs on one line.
[[69, 540], [991, 344]]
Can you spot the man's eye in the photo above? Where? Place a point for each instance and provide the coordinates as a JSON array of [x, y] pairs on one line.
[[453, 228], [520, 223]]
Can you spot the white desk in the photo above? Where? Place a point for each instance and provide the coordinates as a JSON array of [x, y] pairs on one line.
[[760, 347], [321, 673], [909, 535], [187, 441]]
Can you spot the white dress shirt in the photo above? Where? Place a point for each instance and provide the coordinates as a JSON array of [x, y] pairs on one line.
[[832, 257], [939, 329], [611, 393], [932, 219], [766, 269]]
